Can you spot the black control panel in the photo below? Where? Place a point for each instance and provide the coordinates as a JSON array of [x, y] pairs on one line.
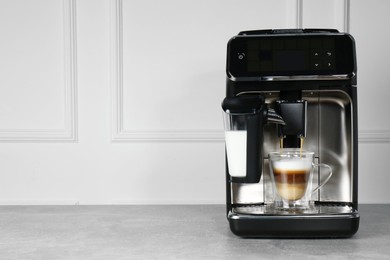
[[290, 55]]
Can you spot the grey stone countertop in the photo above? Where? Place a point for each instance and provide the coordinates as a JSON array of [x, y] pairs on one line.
[[169, 232]]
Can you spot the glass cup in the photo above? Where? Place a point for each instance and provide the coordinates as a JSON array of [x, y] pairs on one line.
[[292, 176]]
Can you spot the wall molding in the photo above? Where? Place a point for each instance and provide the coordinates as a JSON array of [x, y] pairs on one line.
[[347, 16], [169, 136], [69, 132], [342, 5], [118, 132], [374, 136], [299, 13]]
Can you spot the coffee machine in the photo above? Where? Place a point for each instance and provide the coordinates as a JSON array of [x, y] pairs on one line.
[[292, 88]]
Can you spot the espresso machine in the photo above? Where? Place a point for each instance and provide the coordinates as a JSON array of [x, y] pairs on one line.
[[291, 88]]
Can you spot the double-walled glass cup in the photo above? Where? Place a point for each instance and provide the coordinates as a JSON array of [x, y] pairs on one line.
[[292, 177]]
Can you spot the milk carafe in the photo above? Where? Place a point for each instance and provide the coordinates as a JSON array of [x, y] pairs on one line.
[[244, 118]]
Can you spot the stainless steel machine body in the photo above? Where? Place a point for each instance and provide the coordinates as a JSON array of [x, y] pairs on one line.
[[331, 133]]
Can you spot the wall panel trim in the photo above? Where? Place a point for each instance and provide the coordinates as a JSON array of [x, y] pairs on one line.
[[69, 133], [374, 136], [299, 13], [347, 11], [118, 132]]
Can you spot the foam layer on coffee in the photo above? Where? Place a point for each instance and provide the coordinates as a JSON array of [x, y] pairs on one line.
[[288, 165]]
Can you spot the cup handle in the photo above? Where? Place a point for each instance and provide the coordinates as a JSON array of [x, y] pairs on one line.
[[327, 178]]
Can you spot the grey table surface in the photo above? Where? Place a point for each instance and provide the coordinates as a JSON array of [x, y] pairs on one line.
[[169, 232]]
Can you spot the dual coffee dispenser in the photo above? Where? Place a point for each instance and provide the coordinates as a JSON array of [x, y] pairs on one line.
[[291, 102]]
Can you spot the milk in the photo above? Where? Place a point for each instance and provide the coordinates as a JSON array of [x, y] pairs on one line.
[[236, 152]]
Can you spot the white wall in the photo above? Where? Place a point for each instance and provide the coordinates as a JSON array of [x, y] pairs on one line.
[[118, 101]]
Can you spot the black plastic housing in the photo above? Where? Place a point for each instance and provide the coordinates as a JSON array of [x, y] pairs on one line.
[[294, 115], [295, 226]]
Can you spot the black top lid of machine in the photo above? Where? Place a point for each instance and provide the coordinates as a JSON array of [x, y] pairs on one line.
[[265, 54], [287, 31]]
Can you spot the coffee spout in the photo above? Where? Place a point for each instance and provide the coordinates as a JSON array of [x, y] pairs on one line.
[[293, 113]]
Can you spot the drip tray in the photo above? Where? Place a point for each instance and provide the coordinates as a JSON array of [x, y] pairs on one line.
[[321, 220], [319, 209]]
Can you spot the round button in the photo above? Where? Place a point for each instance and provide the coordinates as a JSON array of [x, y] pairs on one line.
[[241, 55]]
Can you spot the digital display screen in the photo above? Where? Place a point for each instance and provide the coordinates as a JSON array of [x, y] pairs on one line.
[[279, 60], [289, 60], [290, 55]]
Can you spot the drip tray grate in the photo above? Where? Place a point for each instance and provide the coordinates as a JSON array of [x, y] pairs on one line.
[[327, 209]]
